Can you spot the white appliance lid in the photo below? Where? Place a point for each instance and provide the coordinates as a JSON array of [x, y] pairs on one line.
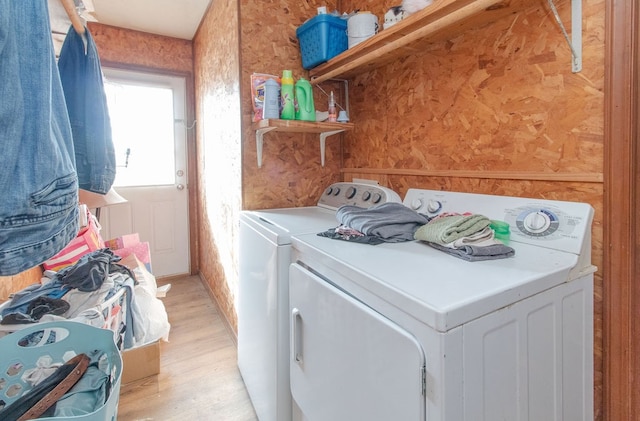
[[441, 290], [280, 224]]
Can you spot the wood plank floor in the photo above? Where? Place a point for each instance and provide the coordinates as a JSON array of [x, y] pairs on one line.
[[199, 377]]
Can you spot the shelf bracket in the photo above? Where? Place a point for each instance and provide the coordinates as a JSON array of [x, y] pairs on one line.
[[323, 139], [259, 135], [575, 43]]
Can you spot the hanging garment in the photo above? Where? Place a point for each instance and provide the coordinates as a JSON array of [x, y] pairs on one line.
[[38, 182], [81, 76]]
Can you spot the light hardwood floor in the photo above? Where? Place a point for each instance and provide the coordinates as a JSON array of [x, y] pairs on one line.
[[199, 377]]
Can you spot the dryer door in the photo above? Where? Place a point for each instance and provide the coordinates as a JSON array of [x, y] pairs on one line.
[[349, 362]]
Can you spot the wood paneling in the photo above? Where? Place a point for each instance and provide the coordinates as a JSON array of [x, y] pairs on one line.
[[622, 201]]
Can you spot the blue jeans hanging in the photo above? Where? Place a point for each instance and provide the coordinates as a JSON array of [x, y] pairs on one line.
[[38, 181]]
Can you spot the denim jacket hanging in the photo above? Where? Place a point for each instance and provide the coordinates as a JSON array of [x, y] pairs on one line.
[[81, 76], [38, 182]]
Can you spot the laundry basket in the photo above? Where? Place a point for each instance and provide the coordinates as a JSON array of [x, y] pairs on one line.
[[61, 341]]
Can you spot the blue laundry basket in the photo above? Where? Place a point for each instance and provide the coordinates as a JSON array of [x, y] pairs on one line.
[[71, 338]]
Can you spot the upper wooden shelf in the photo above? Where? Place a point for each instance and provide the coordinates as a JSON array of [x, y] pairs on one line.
[[443, 19]]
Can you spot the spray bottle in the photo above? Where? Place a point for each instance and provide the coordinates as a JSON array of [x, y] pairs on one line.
[[332, 108]]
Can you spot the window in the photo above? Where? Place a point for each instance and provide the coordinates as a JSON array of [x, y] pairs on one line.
[[143, 124]]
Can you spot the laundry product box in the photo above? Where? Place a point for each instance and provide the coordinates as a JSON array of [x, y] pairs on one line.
[[87, 240], [123, 241], [140, 362], [141, 251]]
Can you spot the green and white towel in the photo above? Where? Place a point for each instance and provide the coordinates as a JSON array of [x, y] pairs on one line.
[[447, 229]]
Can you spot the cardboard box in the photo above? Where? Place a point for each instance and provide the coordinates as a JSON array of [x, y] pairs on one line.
[[140, 362]]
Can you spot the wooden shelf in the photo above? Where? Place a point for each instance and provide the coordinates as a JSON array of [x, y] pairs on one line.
[[443, 19], [296, 126]]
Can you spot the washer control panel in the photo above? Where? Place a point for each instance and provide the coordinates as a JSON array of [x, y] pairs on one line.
[[548, 223], [357, 194]]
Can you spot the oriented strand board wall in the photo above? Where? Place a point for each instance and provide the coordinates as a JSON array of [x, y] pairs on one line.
[[135, 48], [291, 174], [11, 284], [495, 110], [216, 71]]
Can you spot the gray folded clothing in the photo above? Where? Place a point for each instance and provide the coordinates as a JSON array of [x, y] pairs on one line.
[[392, 222], [477, 253]]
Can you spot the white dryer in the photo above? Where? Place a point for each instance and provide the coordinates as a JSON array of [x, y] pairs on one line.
[[407, 332], [263, 293]]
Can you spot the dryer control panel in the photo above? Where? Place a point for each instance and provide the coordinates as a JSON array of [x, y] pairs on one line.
[[546, 223], [356, 194]]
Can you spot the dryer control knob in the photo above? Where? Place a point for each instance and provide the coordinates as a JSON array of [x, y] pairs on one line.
[[434, 206], [351, 192], [536, 222], [377, 197], [336, 191], [366, 196]]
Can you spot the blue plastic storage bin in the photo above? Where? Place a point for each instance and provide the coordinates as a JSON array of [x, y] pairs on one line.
[[60, 341], [321, 38]]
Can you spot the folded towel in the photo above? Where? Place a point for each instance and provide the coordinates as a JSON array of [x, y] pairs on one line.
[[481, 238], [475, 253], [447, 229], [392, 222]]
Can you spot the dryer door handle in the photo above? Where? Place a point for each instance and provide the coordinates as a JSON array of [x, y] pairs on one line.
[[296, 336]]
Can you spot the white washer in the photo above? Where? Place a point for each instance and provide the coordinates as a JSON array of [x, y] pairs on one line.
[[407, 332], [263, 296]]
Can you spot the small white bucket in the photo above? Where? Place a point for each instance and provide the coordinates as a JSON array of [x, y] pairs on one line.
[[361, 26]]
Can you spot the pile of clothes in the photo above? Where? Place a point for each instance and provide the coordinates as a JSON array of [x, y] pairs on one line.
[[466, 236], [75, 292]]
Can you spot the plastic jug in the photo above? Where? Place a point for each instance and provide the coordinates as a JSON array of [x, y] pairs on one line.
[[286, 96], [304, 101]]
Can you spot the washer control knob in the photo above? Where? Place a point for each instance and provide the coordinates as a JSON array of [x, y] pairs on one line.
[[416, 204], [433, 206], [351, 192], [377, 197], [537, 222]]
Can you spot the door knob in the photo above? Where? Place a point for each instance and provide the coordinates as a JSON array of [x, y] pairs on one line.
[[180, 186]]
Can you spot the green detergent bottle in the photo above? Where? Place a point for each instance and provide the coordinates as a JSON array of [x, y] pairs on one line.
[[286, 96], [305, 109]]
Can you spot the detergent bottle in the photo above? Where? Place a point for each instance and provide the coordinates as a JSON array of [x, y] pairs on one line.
[[304, 101], [286, 96]]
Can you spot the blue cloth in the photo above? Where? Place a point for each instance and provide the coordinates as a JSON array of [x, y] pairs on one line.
[[81, 76], [20, 301], [38, 182]]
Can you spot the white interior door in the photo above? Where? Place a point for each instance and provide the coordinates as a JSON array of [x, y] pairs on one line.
[[349, 362], [148, 120]]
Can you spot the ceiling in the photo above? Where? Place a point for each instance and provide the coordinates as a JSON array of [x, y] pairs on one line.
[[173, 18]]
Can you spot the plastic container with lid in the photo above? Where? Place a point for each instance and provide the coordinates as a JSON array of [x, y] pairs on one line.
[[501, 230]]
